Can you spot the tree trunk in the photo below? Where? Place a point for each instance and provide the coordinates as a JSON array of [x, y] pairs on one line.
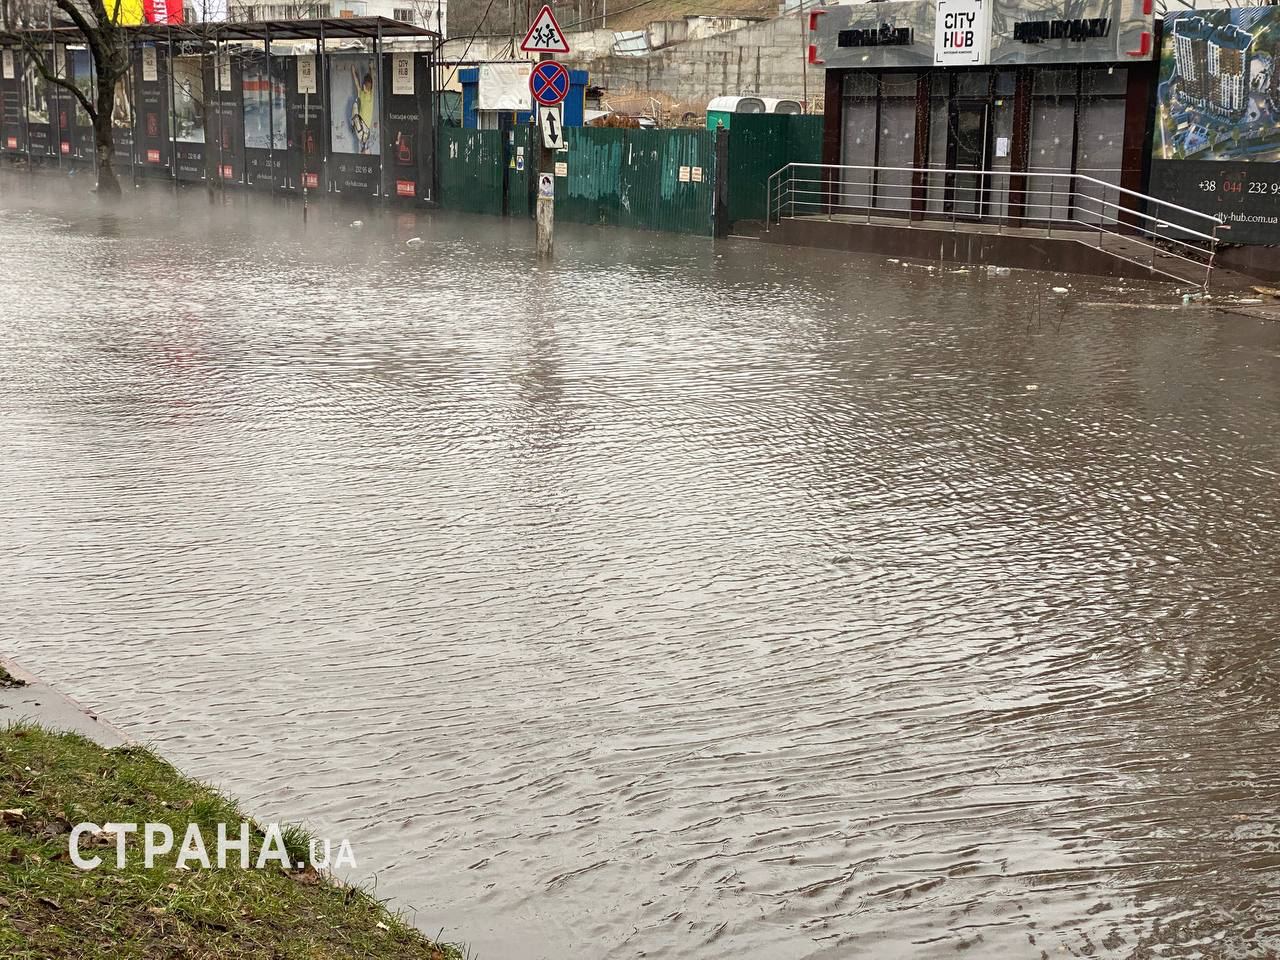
[[104, 139]]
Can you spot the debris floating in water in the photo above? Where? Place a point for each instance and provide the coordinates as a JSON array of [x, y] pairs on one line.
[[357, 224], [1061, 290], [413, 242]]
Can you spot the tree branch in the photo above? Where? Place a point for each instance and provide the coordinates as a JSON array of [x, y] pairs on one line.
[[35, 54], [79, 19]]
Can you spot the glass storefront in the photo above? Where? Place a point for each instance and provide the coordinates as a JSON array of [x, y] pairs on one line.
[[1074, 123]]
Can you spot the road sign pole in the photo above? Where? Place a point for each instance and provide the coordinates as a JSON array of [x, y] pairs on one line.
[[545, 38], [546, 204]]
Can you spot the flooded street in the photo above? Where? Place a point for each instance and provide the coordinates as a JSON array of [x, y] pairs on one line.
[[679, 599]]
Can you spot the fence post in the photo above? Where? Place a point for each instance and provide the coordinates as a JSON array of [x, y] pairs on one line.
[[720, 222]]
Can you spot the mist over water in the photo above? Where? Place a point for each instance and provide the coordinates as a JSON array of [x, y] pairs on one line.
[[677, 599]]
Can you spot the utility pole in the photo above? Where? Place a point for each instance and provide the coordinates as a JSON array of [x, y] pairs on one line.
[[549, 84], [546, 204], [804, 61]]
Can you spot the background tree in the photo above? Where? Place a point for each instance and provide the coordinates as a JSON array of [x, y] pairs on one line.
[[99, 23]]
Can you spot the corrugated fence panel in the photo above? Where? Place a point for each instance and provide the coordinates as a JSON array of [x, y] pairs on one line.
[[760, 145], [645, 179], [471, 170], [522, 176]]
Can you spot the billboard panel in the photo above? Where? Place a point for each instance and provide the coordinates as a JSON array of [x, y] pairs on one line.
[[188, 117], [307, 128], [355, 123], [152, 138], [35, 97], [410, 126], [224, 126], [13, 134], [266, 121], [1216, 142], [123, 116], [81, 70]]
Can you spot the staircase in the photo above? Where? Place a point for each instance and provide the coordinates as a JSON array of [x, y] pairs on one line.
[[1049, 221]]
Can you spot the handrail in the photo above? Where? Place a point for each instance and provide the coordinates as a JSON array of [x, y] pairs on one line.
[[1013, 173], [1035, 199]]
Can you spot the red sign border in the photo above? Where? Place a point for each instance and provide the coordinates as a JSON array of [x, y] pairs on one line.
[[560, 68], [524, 44]]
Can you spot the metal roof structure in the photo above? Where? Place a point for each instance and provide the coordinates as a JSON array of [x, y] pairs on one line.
[[327, 28]]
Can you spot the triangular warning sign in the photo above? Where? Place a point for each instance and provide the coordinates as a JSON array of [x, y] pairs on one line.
[[545, 35]]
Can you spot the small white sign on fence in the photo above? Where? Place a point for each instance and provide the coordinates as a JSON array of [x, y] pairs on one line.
[[402, 74], [307, 75]]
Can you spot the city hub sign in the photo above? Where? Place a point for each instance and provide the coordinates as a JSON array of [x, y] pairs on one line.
[[962, 33]]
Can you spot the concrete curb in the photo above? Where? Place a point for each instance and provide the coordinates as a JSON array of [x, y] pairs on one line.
[[37, 702]]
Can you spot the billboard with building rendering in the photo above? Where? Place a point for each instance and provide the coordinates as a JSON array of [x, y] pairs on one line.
[[1216, 140]]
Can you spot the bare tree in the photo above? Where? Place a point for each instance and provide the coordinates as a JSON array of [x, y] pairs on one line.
[[99, 23]]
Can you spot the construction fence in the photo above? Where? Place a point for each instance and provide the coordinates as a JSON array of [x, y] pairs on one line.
[[680, 180]]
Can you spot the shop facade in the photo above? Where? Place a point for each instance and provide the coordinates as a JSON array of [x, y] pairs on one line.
[[943, 107]]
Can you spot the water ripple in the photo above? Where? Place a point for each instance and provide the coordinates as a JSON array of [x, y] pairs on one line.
[[676, 599]]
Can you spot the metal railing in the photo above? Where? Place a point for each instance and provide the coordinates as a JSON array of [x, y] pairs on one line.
[[1170, 240]]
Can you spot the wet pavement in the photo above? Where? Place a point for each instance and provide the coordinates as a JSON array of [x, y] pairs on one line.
[[679, 599]]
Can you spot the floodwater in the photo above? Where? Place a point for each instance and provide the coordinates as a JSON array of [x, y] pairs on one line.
[[680, 599]]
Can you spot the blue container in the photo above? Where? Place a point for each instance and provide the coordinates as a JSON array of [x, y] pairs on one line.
[[574, 103]]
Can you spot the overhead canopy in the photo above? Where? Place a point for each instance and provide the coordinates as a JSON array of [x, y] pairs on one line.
[[330, 28]]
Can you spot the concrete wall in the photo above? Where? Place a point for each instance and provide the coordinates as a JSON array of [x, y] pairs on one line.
[[583, 43], [663, 33], [766, 58]]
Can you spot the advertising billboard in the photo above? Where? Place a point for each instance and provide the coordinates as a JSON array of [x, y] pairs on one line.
[[407, 159], [1216, 141], [152, 140], [81, 70], [189, 107], [223, 121], [13, 127], [355, 123], [307, 128], [36, 104], [263, 82]]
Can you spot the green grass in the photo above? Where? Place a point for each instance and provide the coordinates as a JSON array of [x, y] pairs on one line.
[[50, 908]]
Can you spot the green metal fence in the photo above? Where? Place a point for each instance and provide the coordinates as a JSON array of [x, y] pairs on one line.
[[471, 170], [645, 179], [759, 146], [523, 147]]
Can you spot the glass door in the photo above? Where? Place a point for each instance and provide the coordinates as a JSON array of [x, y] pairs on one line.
[[968, 149]]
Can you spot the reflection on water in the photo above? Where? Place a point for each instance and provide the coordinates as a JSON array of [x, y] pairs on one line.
[[678, 600]]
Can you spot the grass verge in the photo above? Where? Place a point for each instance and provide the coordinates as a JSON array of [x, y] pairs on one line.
[[50, 908]]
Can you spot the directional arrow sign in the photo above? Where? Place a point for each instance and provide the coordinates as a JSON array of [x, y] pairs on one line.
[[551, 120], [545, 35]]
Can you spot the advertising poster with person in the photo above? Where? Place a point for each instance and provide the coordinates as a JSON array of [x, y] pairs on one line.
[[188, 99], [36, 104], [189, 121], [356, 125]]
